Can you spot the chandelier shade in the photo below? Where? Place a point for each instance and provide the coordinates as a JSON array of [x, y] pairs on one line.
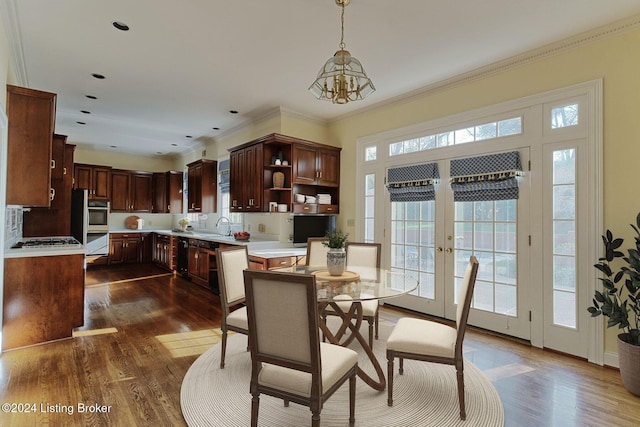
[[342, 78]]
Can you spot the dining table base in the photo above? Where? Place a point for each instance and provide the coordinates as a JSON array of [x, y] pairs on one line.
[[352, 320]]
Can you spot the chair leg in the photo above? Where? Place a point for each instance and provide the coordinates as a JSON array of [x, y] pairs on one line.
[[324, 319], [377, 322], [401, 370], [460, 376], [223, 350], [390, 358], [370, 320], [286, 403], [255, 405], [352, 399]]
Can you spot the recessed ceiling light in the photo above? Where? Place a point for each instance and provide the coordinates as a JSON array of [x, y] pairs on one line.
[[81, 123], [174, 145], [233, 111], [98, 76], [113, 146], [121, 26], [216, 128], [91, 97], [188, 136], [85, 111], [158, 152]]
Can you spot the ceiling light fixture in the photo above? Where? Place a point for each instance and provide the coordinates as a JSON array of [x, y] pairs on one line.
[[342, 78]]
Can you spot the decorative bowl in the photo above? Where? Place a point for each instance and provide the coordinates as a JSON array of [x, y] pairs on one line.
[[241, 235]]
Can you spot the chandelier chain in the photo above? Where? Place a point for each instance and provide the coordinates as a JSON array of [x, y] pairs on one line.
[[342, 45]]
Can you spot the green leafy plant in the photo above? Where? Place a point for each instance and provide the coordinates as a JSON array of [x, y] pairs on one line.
[[620, 301], [336, 239]]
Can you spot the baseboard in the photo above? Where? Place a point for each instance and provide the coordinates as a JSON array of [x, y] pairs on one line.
[[611, 359]]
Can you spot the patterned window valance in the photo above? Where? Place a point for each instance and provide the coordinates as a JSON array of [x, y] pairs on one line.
[[492, 177], [223, 172], [412, 183]]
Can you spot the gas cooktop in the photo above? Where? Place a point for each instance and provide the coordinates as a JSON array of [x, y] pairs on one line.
[[40, 242]]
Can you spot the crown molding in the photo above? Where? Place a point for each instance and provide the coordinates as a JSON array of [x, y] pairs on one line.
[[12, 26], [613, 29]]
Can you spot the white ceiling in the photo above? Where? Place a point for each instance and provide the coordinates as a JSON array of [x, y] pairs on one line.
[[184, 64]]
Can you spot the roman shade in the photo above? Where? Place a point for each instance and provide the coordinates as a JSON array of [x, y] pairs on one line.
[[412, 183], [483, 178]]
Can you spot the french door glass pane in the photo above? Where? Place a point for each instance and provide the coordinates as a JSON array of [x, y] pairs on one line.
[[564, 238], [487, 230], [369, 206], [412, 243]]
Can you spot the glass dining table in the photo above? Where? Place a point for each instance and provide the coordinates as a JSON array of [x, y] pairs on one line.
[[355, 285]]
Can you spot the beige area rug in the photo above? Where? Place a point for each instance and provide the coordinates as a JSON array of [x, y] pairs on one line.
[[425, 395]]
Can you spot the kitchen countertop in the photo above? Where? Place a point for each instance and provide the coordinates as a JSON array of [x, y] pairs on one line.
[[256, 247]]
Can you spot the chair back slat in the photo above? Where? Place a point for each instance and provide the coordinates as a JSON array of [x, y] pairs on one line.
[[232, 262], [283, 319], [316, 252]]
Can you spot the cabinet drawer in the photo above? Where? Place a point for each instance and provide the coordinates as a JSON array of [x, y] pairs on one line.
[[304, 208], [280, 262], [328, 209]]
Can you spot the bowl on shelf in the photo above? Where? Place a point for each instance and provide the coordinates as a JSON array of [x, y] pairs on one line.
[[241, 235]]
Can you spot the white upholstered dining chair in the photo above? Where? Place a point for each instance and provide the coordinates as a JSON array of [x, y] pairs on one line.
[[364, 259], [316, 252], [288, 361], [424, 340], [232, 261]]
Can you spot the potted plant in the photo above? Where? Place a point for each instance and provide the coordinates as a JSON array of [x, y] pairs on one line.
[[336, 256], [620, 303], [183, 223]]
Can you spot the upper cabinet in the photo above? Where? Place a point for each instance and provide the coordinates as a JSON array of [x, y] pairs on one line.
[[31, 119], [202, 185], [167, 192], [96, 179], [274, 169], [131, 191]]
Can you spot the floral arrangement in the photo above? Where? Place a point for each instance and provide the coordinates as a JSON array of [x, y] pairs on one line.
[[183, 222]]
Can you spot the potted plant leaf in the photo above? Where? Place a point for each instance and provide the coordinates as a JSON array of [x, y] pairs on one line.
[[336, 256], [619, 301]]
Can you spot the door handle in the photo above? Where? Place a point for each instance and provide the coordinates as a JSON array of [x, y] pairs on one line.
[[439, 249], [448, 250]]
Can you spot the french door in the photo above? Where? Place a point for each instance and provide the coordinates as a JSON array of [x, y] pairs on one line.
[[434, 239]]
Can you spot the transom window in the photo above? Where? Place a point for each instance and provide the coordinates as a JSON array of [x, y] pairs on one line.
[[512, 126]]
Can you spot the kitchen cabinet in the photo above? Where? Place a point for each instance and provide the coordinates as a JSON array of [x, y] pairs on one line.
[[55, 220], [315, 165], [95, 178], [167, 192], [31, 119], [259, 263], [43, 299], [131, 191], [246, 179], [202, 184], [199, 254], [124, 248], [165, 251]]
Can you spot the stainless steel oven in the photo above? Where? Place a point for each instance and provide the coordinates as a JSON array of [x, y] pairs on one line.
[[98, 215]]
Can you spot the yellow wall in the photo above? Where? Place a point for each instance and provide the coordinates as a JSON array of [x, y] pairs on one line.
[[124, 161]]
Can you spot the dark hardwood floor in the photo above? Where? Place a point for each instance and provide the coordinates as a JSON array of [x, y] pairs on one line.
[[144, 327]]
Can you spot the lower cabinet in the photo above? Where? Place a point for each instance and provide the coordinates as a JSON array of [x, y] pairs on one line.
[[126, 247], [199, 261], [165, 251], [258, 263], [43, 299]]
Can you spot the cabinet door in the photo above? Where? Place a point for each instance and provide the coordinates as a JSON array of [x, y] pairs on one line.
[[304, 165], [31, 117], [193, 261], [236, 171], [195, 188], [101, 183], [57, 156], [253, 179], [120, 184], [132, 250], [116, 250], [328, 163], [203, 265], [140, 192], [82, 177], [159, 193], [174, 192]]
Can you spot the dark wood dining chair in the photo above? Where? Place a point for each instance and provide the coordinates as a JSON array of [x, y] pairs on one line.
[[288, 361], [363, 258], [232, 261], [424, 340]]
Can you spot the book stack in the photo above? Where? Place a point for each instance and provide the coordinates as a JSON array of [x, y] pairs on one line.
[[324, 199]]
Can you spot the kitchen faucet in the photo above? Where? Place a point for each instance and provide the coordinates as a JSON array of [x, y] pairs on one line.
[[228, 223]]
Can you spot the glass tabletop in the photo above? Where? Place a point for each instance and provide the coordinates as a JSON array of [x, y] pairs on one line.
[[357, 284]]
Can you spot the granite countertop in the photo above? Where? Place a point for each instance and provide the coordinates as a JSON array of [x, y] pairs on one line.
[[256, 247]]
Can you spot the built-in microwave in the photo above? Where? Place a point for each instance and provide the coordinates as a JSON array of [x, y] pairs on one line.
[[98, 215]]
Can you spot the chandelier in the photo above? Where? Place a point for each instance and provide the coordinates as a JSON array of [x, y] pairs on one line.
[[342, 78]]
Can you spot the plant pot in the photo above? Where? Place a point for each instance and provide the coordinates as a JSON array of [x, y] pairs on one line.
[[335, 261], [629, 360]]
